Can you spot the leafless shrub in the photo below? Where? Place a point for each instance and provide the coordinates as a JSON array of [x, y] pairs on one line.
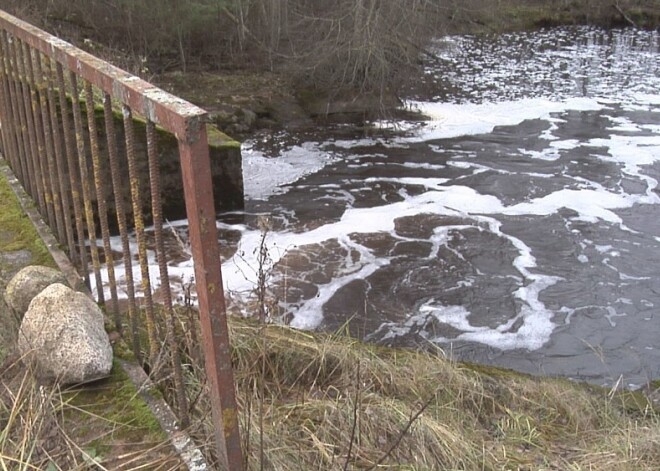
[[346, 46]]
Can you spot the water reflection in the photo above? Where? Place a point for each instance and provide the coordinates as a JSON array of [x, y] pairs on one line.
[[559, 62]]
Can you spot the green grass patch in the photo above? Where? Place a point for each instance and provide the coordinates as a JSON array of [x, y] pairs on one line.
[[16, 229], [116, 401]]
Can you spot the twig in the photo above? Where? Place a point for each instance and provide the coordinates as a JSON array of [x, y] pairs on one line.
[[403, 432], [625, 17], [262, 399], [356, 407]]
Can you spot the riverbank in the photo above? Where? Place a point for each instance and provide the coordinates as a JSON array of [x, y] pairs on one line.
[[331, 402], [244, 101], [516, 15]]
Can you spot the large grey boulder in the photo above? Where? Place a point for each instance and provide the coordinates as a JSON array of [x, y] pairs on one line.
[[63, 333], [27, 283]]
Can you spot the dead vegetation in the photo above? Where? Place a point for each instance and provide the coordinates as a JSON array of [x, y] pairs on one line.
[[339, 50], [330, 402], [99, 426]]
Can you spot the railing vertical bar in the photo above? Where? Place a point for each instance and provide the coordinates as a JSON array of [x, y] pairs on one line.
[[60, 163], [86, 188], [166, 292], [5, 120], [17, 107], [101, 202], [74, 180], [198, 189], [113, 157], [139, 234], [34, 118], [16, 112], [23, 117], [37, 116], [8, 119], [51, 174]]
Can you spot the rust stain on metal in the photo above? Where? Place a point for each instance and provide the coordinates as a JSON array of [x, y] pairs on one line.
[[101, 202], [161, 256], [229, 419], [138, 219], [117, 185], [74, 179], [86, 187], [59, 160], [195, 169]]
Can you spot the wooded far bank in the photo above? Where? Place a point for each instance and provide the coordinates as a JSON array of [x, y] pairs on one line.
[[364, 47]]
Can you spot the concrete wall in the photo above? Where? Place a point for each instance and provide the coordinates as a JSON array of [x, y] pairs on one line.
[[226, 170]]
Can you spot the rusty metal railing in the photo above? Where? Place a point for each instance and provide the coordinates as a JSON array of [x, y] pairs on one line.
[[63, 113]]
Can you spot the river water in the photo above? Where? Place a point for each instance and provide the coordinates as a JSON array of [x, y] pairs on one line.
[[515, 223]]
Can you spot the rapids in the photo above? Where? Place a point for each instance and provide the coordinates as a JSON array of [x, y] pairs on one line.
[[517, 223]]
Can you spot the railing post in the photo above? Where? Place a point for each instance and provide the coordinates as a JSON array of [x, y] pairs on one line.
[[196, 171]]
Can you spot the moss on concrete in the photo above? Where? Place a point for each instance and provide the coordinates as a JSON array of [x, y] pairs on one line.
[[116, 400], [220, 140], [16, 229]]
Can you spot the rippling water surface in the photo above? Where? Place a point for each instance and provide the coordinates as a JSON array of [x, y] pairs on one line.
[[518, 224]]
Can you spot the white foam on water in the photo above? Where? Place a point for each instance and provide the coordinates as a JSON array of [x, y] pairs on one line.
[[264, 176], [455, 316], [623, 124], [548, 133], [649, 99], [603, 248], [530, 327], [534, 319], [633, 153], [553, 152], [654, 128], [240, 276], [449, 120], [310, 314], [430, 183], [591, 205], [565, 144], [425, 166], [612, 314]]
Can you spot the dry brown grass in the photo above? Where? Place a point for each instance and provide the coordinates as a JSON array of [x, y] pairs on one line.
[[94, 427], [331, 402]]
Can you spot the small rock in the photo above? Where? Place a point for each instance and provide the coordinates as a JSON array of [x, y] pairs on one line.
[[27, 283], [63, 332], [249, 117]]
